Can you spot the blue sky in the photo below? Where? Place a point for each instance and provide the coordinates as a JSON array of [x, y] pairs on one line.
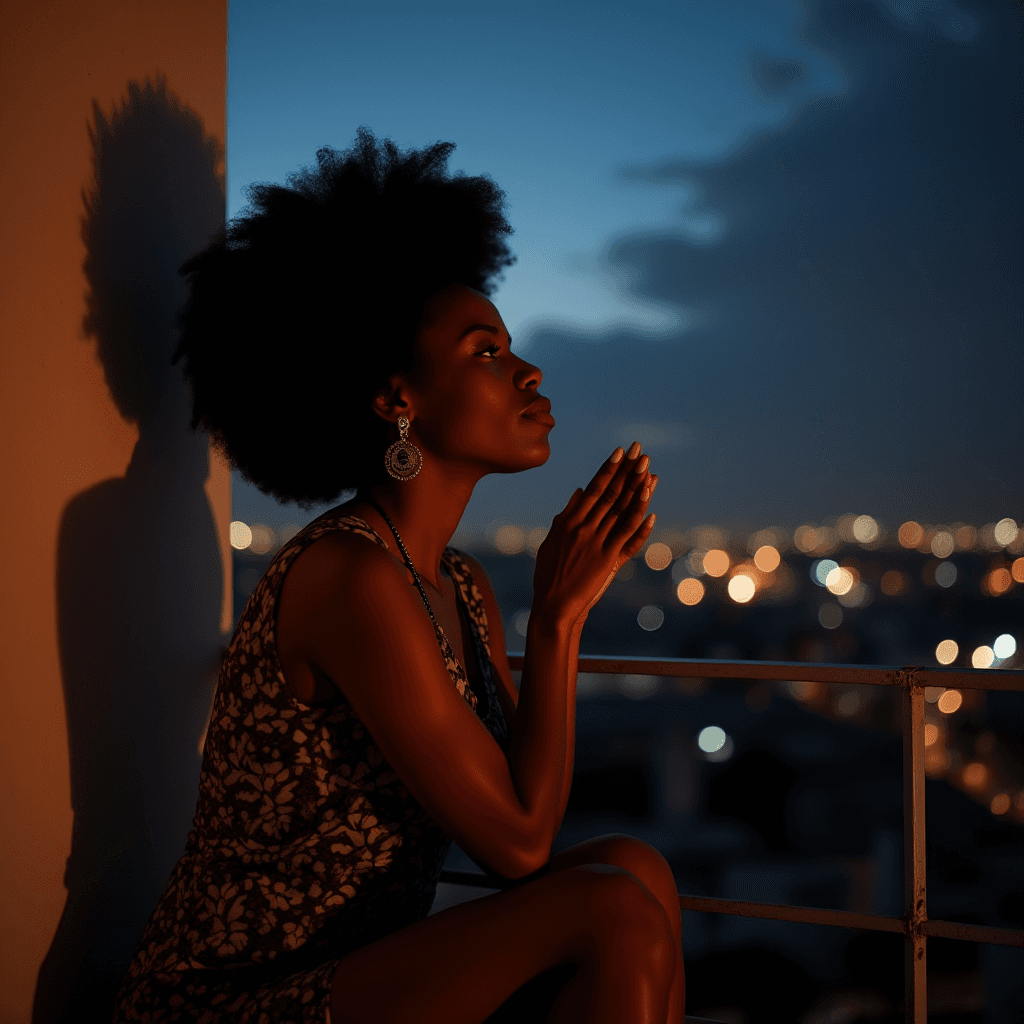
[[706, 199]]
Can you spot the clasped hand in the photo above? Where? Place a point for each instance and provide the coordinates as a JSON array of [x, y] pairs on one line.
[[597, 532]]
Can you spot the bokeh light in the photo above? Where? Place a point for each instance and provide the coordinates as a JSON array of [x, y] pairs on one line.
[[1000, 803], [830, 615], [1017, 570], [982, 657], [509, 539], [658, 556], [1005, 646], [950, 702], [820, 570], [975, 775], [741, 588], [997, 582], [521, 620], [893, 582], [263, 539], [803, 689], [690, 591], [946, 652], [933, 693], [1005, 532], [865, 529], [638, 687], [848, 704], [910, 534], [858, 597], [931, 734], [966, 538], [806, 538], [711, 738], [942, 544], [945, 574], [716, 562], [767, 558], [650, 617], [695, 562], [240, 535], [839, 580]]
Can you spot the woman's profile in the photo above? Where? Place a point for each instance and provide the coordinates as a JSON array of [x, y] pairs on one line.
[[340, 337]]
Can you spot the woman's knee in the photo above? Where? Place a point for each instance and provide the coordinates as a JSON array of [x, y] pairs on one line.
[[619, 903]]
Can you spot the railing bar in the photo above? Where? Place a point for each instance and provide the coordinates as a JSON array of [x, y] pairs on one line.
[[803, 915], [973, 933], [870, 675], [915, 972]]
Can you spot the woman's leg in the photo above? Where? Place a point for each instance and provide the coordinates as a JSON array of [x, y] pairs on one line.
[[460, 965], [651, 868]]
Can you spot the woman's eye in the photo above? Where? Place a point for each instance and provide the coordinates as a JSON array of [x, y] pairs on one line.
[[492, 350]]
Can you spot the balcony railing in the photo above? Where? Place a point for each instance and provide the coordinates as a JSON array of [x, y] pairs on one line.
[[914, 924]]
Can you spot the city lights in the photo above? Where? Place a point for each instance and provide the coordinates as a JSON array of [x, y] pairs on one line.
[[893, 582], [910, 534], [945, 574], [716, 562], [820, 570], [658, 556], [240, 535], [865, 529], [839, 580], [1005, 532], [982, 657], [830, 615], [931, 735], [741, 588], [942, 544], [946, 652], [1005, 646], [690, 591], [975, 775], [711, 738], [650, 617], [767, 558], [950, 702]]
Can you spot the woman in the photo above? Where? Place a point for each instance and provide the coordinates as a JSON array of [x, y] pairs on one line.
[[339, 337]]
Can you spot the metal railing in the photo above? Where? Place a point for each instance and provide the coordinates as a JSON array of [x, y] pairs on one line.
[[914, 924]]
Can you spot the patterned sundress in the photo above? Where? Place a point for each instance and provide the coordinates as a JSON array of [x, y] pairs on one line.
[[305, 844]]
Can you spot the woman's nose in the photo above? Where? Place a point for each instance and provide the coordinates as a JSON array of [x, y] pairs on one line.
[[528, 374]]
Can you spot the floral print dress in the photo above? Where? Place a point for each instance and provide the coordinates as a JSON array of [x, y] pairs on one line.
[[305, 844]]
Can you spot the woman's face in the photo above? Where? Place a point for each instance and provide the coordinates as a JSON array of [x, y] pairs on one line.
[[469, 392]]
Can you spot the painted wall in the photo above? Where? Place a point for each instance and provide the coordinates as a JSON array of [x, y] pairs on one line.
[[113, 514]]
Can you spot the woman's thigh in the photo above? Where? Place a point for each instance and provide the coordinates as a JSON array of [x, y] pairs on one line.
[[458, 966]]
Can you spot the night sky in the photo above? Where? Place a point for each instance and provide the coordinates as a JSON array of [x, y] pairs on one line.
[[777, 242]]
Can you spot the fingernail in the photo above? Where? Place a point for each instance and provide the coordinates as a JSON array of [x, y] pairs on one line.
[[642, 465], [617, 454], [654, 483], [634, 449], [647, 493]]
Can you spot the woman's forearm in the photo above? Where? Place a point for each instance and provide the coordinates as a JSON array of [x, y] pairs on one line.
[[542, 741], [572, 668]]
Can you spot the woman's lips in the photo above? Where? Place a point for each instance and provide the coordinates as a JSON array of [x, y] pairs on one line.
[[541, 417]]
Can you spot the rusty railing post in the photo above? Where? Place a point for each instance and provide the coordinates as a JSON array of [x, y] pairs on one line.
[[915, 896]]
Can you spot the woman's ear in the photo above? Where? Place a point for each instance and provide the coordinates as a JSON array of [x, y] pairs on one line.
[[389, 403]]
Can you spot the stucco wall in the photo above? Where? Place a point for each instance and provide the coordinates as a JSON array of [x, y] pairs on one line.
[[113, 515]]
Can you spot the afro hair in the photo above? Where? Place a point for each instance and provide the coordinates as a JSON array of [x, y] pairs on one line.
[[305, 305]]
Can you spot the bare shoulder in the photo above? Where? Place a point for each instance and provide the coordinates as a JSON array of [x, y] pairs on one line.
[[365, 629]]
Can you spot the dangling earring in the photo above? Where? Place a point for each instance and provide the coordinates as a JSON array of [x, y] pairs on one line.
[[403, 459]]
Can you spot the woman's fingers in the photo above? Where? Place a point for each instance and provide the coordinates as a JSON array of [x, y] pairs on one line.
[[609, 482]]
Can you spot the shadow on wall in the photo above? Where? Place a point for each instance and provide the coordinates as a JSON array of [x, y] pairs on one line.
[[139, 572]]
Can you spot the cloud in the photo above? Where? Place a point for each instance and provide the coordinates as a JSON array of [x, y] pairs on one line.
[[856, 343]]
